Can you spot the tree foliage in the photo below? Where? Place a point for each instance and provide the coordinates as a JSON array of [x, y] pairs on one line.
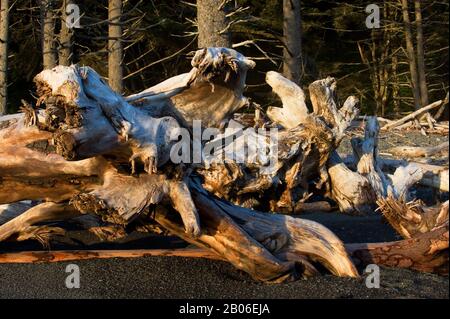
[[158, 34]]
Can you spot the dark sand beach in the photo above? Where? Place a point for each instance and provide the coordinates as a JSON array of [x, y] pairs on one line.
[[175, 277]]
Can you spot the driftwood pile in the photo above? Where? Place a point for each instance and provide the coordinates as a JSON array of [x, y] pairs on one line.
[[103, 161], [421, 120]]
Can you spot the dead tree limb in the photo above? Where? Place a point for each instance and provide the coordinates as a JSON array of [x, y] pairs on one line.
[[410, 151], [414, 115]]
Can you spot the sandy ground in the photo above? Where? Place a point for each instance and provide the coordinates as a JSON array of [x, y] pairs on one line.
[[170, 277], [173, 277]]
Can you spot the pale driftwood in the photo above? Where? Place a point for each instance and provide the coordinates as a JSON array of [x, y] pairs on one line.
[[441, 110], [77, 172], [90, 119], [433, 175], [61, 180], [21, 229], [406, 125], [303, 150], [413, 115], [356, 191], [94, 152], [366, 155], [410, 151], [411, 218], [431, 255], [425, 229], [294, 111], [23, 225], [103, 230], [324, 100], [201, 94], [290, 240], [319, 206], [439, 181], [392, 192], [352, 191]]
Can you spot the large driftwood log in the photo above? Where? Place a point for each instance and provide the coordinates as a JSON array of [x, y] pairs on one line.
[[427, 252], [433, 175], [410, 151], [425, 229], [92, 152], [304, 145], [73, 255], [415, 114]]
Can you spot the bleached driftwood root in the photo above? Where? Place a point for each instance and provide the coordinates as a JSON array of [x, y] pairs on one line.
[[92, 152], [305, 143], [425, 229], [202, 94], [294, 111]]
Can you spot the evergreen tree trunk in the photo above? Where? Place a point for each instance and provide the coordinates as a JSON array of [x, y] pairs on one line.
[[411, 54], [65, 37], [421, 55], [212, 25], [292, 40], [49, 58], [115, 49], [4, 24]]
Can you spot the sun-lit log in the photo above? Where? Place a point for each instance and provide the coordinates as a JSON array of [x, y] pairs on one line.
[[426, 252], [91, 152]]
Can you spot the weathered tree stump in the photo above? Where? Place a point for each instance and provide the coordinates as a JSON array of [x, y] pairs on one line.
[[92, 152]]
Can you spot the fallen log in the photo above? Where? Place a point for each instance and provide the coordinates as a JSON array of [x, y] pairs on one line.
[[433, 175], [313, 207], [441, 110], [92, 151], [414, 115], [410, 151], [428, 252], [74, 255], [431, 258]]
